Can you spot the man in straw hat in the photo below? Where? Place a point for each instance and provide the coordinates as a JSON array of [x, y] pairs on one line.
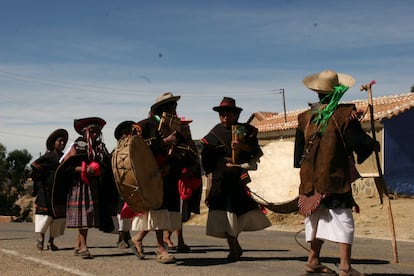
[[327, 135], [162, 140], [43, 172], [231, 209]]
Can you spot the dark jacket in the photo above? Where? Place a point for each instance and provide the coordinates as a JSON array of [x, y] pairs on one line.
[[170, 165], [43, 171], [228, 190]]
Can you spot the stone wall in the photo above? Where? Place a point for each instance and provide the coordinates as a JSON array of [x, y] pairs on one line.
[[364, 187]]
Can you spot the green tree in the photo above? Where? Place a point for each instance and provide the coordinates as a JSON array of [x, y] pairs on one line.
[[13, 176], [3, 164], [17, 160]]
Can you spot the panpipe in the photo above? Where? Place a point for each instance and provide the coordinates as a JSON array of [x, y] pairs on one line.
[[237, 134], [168, 124]]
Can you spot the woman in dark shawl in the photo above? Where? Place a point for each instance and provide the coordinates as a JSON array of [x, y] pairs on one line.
[[43, 172]]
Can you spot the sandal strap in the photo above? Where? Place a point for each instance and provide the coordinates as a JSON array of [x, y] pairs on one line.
[[320, 268], [85, 254], [349, 272], [165, 258]]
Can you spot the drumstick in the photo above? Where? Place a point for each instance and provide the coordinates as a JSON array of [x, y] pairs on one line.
[[246, 166]]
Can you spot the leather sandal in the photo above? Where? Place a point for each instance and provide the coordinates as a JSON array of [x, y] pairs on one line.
[[165, 258], [137, 250], [170, 246], [350, 272], [123, 245], [319, 269], [52, 247], [85, 254], [39, 245]]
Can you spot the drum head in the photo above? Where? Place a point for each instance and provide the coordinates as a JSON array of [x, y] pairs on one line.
[[137, 175], [275, 183]]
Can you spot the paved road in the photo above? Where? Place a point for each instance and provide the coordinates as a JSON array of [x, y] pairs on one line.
[[265, 253]]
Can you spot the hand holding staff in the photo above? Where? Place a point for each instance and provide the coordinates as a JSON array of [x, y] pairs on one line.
[[379, 181]]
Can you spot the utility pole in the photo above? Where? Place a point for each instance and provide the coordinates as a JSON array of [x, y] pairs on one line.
[[282, 91]]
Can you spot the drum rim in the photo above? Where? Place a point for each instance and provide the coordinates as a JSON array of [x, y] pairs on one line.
[[286, 207]]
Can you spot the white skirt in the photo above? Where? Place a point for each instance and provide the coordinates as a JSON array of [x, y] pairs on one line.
[[336, 225], [56, 226], [124, 224], [121, 224], [157, 220], [224, 224]]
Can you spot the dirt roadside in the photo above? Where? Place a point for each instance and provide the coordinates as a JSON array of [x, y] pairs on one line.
[[371, 222]]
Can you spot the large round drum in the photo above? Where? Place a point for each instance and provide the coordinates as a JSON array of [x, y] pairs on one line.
[[275, 183], [137, 175]]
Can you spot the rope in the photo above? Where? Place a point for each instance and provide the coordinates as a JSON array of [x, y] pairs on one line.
[[298, 242]]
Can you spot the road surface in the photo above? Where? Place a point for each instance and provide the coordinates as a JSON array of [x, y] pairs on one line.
[[266, 252]]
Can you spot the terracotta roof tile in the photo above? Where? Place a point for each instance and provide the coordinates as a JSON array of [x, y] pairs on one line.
[[385, 107], [261, 115]]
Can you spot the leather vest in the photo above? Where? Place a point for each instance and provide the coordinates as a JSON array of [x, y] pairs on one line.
[[325, 168]]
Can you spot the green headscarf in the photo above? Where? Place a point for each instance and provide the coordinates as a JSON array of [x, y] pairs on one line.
[[326, 113]]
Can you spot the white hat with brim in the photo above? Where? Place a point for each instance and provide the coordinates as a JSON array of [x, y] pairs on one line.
[[325, 81], [164, 98]]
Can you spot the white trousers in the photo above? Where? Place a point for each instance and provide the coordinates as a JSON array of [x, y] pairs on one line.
[[336, 225], [56, 226]]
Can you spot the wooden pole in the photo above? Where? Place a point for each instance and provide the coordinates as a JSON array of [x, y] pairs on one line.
[[380, 181]]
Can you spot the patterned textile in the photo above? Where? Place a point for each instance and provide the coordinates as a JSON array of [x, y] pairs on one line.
[[89, 204], [83, 205]]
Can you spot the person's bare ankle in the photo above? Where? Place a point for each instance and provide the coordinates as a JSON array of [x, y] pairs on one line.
[[314, 262]]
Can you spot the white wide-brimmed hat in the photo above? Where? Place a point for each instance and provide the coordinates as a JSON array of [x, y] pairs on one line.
[[164, 98], [325, 81]]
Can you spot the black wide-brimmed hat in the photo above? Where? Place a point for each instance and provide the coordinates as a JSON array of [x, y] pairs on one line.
[[228, 104], [50, 142], [123, 127], [81, 124]]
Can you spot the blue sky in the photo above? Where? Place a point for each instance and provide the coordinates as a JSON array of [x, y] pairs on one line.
[[61, 60]]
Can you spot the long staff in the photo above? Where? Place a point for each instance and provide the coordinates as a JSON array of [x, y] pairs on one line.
[[379, 181]]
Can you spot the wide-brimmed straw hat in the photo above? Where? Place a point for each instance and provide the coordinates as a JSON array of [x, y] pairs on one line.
[[81, 124], [227, 104], [164, 98], [62, 133], [325, 81], [124, 127]]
